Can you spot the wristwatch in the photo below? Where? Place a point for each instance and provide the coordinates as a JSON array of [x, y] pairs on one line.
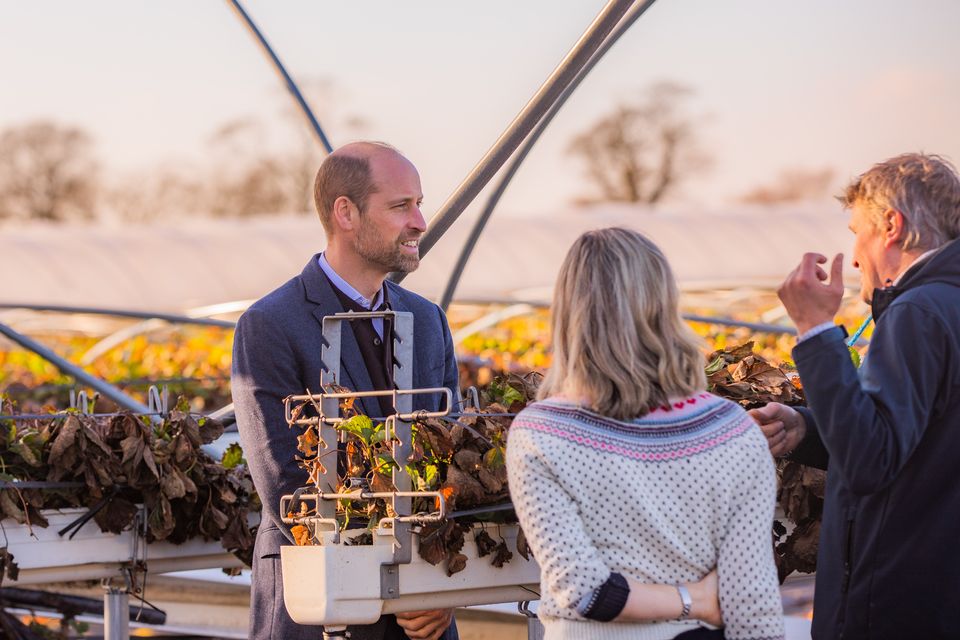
[[686, 600]]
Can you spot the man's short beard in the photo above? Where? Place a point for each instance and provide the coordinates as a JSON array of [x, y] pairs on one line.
[[389, 258]]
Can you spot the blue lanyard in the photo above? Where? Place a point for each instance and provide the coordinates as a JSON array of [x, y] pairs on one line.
[[859, 332]]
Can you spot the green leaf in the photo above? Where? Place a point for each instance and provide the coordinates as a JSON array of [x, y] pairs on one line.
[[431, 475], [494, 458], [500, 391], [415, 479], [360, 426], [855, 356], [232, 457], [717, 364], [384, 463]]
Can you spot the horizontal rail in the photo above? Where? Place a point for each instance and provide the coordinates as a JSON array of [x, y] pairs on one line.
[[436, 516], [413, 415], [102, 387], [122, 313], [730, 322]]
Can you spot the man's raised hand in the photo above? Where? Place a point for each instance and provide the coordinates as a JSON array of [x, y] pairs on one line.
[[811, 296]]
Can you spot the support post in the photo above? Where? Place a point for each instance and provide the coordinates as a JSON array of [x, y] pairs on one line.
[[116, 614]]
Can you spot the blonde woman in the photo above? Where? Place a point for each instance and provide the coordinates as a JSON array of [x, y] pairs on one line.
[[627, 476]]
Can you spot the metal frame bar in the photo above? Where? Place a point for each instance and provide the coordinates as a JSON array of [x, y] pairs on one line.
[[481, 222], [522, 124], [395, 393], [104, 388], [122, 313], [281, 70]]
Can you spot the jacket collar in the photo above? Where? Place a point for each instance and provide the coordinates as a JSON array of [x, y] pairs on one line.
[[353, 372], [942, 266]]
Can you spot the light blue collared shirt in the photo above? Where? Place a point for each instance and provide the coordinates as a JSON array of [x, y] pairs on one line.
[[347, 289]]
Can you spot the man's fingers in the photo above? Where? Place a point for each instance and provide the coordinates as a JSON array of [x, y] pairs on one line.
[[771, 429], [766, 413], [811, 260], [836, 270], [424, 625]]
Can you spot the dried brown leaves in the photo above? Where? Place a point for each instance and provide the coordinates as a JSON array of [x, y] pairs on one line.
[[123, 461], [463, 458], [746, 378]]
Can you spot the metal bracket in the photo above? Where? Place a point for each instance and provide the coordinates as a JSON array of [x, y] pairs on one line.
[[535, 629], [389, 581]]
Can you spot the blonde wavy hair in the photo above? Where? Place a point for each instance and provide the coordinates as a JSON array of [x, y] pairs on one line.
[[619, 342]]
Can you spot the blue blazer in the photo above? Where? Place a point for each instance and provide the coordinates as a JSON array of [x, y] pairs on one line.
[[276, 353]]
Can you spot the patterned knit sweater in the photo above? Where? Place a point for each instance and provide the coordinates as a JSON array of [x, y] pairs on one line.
[[661, 499]]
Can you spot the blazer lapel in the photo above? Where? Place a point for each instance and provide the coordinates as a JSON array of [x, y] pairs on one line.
[[353, 372]]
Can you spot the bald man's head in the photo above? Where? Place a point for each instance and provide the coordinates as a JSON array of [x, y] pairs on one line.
[[346, 172]]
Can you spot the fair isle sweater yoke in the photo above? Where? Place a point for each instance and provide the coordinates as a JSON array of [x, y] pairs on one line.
[[661, 499]]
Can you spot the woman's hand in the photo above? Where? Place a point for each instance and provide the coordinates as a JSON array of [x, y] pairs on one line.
[[706, 599]]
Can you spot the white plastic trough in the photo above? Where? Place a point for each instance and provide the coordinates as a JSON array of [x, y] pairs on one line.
[[43, 556], [338, 585]]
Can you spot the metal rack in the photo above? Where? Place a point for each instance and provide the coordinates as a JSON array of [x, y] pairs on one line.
[[387, 576]]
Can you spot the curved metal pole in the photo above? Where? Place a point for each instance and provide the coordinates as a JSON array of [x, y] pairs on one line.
[[122, 313], [528, 144], [522, 125], [287, 80], [81, 376], [753, 326]]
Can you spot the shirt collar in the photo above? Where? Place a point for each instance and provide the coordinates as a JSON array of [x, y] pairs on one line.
[[922, 257], [346, 288]]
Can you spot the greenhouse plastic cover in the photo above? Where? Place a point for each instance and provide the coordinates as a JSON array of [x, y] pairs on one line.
[[183, 264]]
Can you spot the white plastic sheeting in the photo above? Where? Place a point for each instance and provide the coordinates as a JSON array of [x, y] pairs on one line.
[[183, 264]]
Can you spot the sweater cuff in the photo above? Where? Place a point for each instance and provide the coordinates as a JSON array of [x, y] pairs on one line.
[[607, 601]]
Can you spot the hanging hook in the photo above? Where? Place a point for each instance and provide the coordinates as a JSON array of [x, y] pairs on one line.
[[158, 400], [80, 400]]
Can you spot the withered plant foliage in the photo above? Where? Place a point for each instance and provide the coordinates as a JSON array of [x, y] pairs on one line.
[[746, 378], [462, 457], [122, 461]]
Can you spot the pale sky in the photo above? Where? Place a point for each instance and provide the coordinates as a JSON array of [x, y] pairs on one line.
[[780, 84]]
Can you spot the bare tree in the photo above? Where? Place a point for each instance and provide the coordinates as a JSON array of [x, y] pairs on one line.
[[793, 185], [165, 191], [251, 178], [245, 179], [301, 161], [641, 152], [47, 172], [252, 167]]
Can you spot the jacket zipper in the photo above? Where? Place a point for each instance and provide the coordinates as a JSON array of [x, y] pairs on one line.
[[847, 569], [846, 557]]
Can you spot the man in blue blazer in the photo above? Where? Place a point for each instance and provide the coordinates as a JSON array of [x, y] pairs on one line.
[[368, 196]]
